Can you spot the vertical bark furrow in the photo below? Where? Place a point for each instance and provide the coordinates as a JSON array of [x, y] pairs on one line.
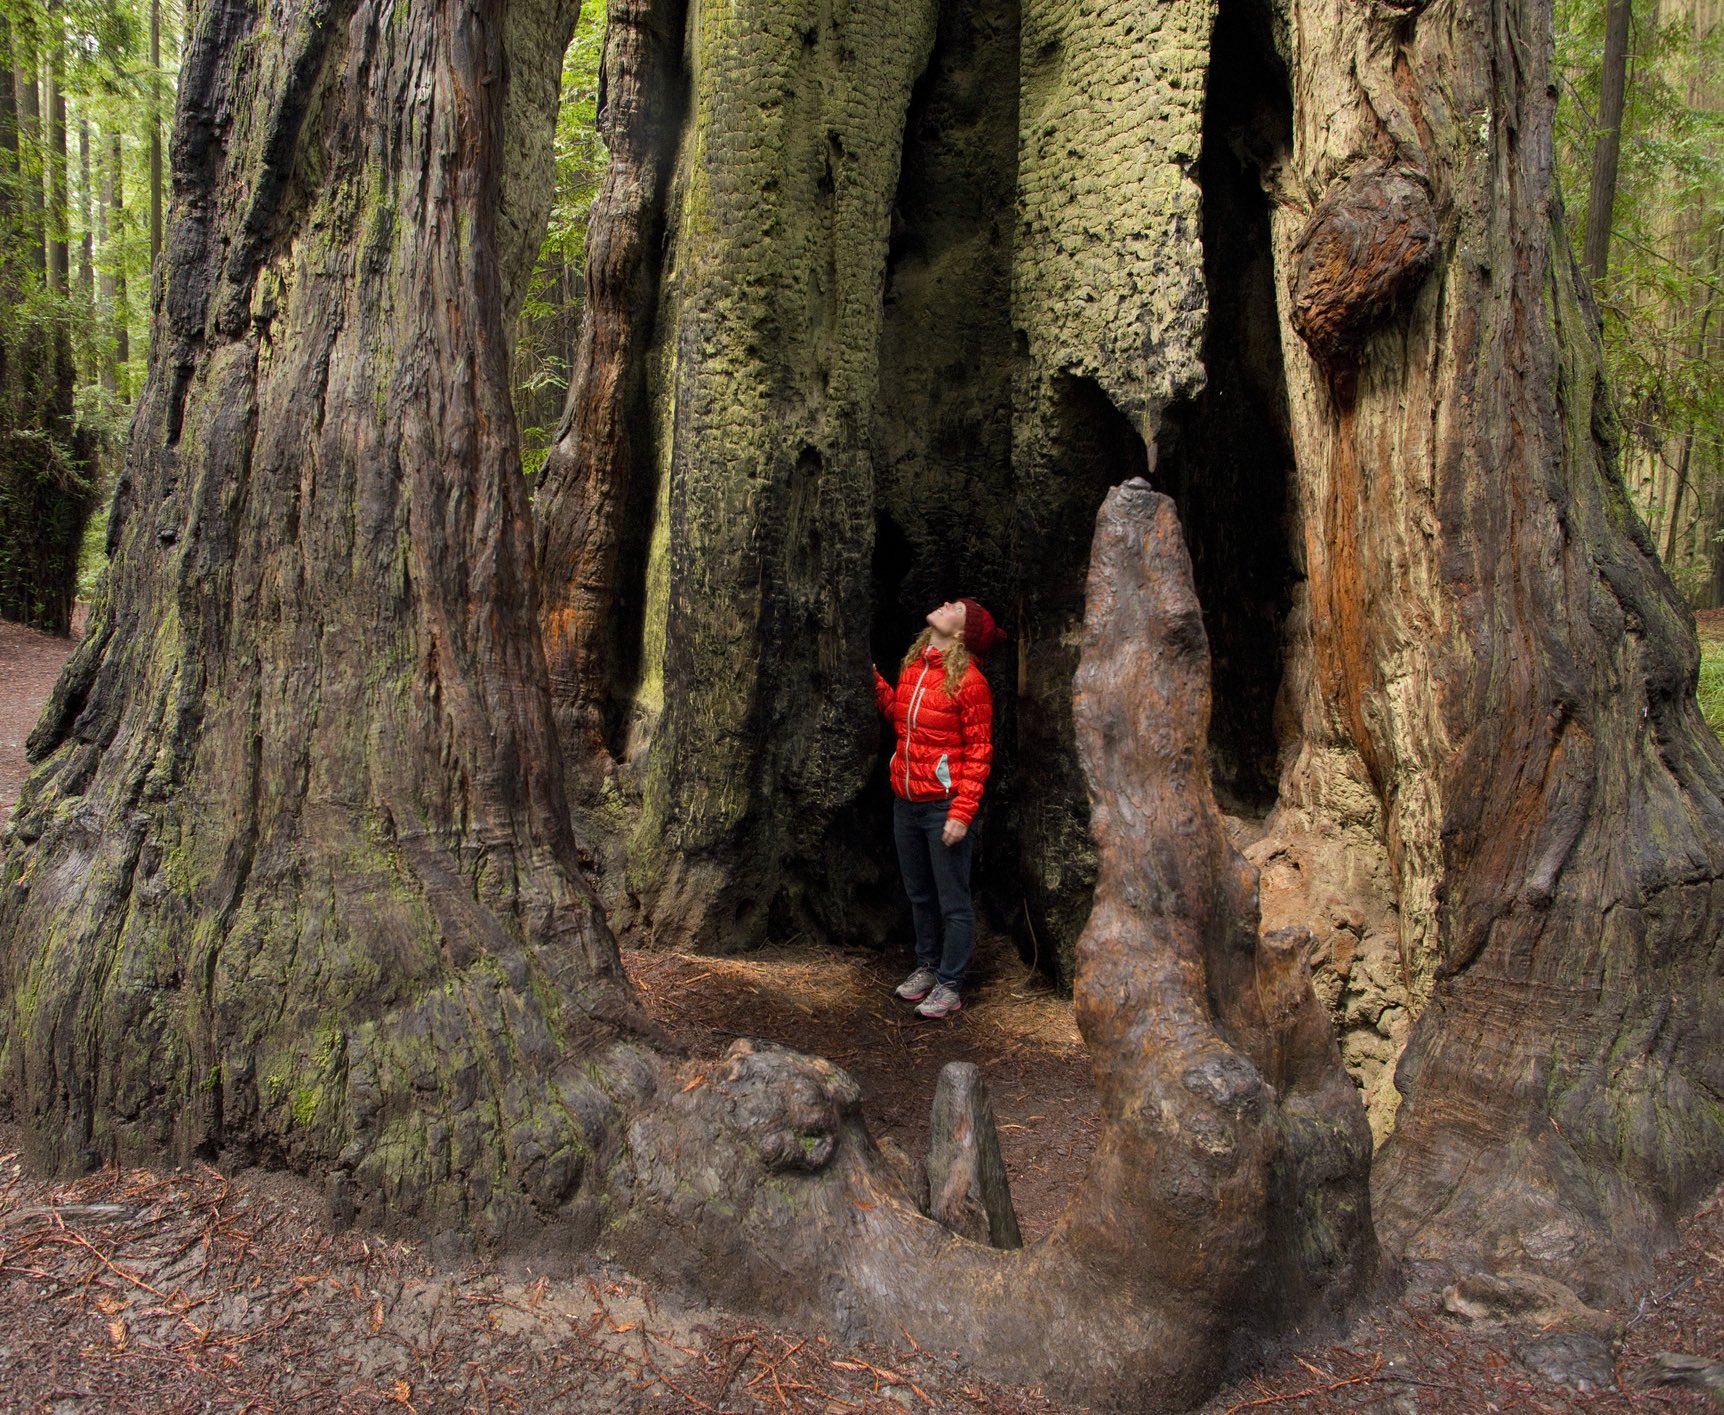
[[597, 494]]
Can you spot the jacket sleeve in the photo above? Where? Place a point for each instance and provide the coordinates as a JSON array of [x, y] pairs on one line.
[[883, 695], [976, 719]]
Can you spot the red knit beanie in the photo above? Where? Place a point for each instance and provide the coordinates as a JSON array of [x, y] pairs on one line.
[[980, 631]]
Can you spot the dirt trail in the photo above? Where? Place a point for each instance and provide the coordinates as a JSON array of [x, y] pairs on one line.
[[30, 661]]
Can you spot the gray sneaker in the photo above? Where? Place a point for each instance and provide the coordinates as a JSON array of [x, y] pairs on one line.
[[917, 986], [942, 1002]]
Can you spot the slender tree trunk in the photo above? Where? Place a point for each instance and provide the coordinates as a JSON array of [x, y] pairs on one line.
[[87, 238], [58, 217], [8, 123], [117, 257], [45, 492], [1684, 462], [106, 225], [155, 111], [30, 150], [1607, 151]]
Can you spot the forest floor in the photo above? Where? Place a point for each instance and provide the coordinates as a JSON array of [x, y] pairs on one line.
[[130, 1290]]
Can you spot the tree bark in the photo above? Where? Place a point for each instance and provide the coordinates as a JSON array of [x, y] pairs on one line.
[[28, 70], [1607, 151], [117, 258], [318, 842], [107, 223], [57, 221], [293, 882], [1479, 670], [600, 481], [1489, 653], [87, 238], [155, 143], [1227, 1189], [45, 495]]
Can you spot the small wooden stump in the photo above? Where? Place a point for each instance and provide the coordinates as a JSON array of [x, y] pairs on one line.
[[967, 1186]]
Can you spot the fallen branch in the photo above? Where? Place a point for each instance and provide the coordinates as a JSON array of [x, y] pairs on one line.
[[1365, 1378]]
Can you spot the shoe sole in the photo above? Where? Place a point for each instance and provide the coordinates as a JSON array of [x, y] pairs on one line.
[[912, 996], [940, 1016]]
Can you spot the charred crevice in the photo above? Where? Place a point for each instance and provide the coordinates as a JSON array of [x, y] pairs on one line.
[[941, 436], [1094, 446], [1226, 455], [639, 507]]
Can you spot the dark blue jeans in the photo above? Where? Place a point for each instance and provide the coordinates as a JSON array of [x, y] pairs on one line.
[[937, 879]]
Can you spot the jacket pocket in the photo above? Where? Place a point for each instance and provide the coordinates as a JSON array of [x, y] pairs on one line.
[[943, 772]]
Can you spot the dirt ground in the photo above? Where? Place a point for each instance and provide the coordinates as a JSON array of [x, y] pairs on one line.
[[192, 1291], [29, 663]]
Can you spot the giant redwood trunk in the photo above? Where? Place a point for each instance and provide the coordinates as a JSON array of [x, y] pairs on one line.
[[295, 881], [1492, 658]]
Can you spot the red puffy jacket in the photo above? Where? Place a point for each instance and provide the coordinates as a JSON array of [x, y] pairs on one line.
[[945, 744]]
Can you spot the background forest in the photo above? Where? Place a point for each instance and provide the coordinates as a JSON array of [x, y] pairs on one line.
[[86, 99], [87, 90]]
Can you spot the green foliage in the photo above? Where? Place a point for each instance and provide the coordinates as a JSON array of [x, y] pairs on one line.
[[550, 316], [1712, 683], [1663, 295], [92, 335]]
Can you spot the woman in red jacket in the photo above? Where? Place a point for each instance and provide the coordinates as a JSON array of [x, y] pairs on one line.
[[943, 714]]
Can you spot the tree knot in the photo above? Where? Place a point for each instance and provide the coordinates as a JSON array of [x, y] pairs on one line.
[[1368, 246]]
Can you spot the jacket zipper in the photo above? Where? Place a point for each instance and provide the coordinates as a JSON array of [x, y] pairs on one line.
[[910, 723]]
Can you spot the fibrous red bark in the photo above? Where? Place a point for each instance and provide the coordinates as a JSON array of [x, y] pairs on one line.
[[597, 490], [1491, 657], [293, 881]]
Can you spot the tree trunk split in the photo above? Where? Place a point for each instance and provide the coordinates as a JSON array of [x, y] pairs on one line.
[[1228, 1187], [295, 879]]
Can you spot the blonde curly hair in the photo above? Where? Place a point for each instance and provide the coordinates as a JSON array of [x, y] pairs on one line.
[[957, 660]]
